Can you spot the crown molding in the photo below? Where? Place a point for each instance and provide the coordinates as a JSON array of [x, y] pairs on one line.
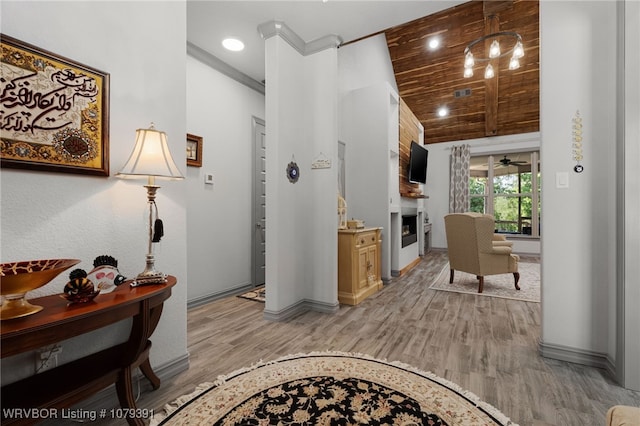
[[279, 28], [330, 41], [224, 68]]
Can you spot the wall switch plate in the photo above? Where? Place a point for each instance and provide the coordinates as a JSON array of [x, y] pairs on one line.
[[208, 178], [562, 180]]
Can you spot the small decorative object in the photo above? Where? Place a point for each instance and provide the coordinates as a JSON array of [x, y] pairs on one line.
[[321, 162], [77, 273], [79, 289], [151, 158], [55, 112], [355, 224], [293, 171], [105, 274], [342, 212], [194, 150], [577, 142], [17, 278]]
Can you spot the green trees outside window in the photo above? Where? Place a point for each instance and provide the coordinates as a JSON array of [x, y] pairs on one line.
[[509, 192]]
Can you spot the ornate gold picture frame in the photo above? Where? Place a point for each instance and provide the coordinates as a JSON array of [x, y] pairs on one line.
[[54, 112], [194, 150]]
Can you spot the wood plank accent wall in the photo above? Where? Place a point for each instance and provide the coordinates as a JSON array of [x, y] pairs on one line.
[[427, 79], [410, 130], [492, 25]]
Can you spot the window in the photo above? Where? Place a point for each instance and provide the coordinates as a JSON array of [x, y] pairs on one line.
[[507, 186]]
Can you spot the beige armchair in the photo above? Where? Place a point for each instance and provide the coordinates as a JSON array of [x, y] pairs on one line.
[[472, 248], [501, 240], [623, 415]]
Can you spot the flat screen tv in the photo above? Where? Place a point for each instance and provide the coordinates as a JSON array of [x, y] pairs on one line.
[[418, 156]]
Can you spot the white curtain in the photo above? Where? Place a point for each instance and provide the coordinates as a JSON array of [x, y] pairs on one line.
[[459, 179]]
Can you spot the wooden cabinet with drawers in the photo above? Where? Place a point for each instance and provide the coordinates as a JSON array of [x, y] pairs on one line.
[[358, 264]]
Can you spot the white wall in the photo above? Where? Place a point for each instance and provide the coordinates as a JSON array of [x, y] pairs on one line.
[[52, 215], [365, 63], [367, 116], [626, 308], [578, 57], [321, 123], [301, 116], [368, 127], [220, 225]]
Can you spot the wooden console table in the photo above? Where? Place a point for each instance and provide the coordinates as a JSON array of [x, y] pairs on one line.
[[68, 384]]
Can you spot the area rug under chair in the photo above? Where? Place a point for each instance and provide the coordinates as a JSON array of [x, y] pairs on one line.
[[494, 285], [330, 388]]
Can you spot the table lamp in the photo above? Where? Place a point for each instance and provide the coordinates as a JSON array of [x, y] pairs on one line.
[[151, 158]]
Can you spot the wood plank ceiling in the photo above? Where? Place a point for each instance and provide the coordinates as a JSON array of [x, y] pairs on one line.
[[428, 79]]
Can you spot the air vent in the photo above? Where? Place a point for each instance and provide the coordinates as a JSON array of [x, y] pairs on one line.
[[462, 93]]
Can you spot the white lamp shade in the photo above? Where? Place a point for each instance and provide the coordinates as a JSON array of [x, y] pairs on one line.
[[488, 72], [151, 157], [469, 60], [518, 50], [494, 50]]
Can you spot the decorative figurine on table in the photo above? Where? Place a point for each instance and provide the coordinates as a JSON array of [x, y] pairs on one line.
[[342, 212], [79, 289], [105, 274]]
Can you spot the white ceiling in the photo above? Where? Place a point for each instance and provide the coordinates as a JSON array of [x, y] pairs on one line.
[[209, 22]]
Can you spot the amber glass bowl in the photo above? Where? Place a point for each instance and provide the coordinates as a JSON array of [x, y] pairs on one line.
[[17, 278]]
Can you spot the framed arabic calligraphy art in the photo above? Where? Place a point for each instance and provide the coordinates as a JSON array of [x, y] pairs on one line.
[[194, 150], [54, 112]]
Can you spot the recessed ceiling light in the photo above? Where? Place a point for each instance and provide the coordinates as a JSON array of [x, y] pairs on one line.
[[233, 44], [434, 43], [443, 112]]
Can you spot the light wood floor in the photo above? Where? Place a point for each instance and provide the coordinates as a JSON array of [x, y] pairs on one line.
[[486, 345]]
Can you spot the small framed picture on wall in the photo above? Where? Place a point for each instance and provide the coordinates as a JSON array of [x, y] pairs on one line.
[[194, 150]]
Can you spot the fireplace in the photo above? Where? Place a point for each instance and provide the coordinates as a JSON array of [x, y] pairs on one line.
[[409, 230]]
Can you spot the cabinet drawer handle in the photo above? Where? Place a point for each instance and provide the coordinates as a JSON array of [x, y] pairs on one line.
[[362, 241], [373, 238]]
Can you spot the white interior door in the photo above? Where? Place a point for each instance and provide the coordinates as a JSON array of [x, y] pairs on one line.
[[259, 202]]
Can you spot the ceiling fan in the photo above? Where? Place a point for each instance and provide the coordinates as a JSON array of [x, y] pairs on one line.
[[507, 162]]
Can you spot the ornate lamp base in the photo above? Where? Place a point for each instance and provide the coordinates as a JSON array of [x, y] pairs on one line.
[[143, 279], [149, 275]]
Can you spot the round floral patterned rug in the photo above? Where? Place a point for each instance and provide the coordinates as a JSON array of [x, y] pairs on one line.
[[330, 388]]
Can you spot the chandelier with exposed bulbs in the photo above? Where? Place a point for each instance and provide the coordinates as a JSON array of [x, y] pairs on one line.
[[496, 51]]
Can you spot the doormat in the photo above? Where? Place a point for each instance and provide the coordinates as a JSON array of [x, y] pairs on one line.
[[257, 294]]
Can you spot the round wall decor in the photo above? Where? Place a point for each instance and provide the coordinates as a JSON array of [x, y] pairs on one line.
[[293, 172]]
